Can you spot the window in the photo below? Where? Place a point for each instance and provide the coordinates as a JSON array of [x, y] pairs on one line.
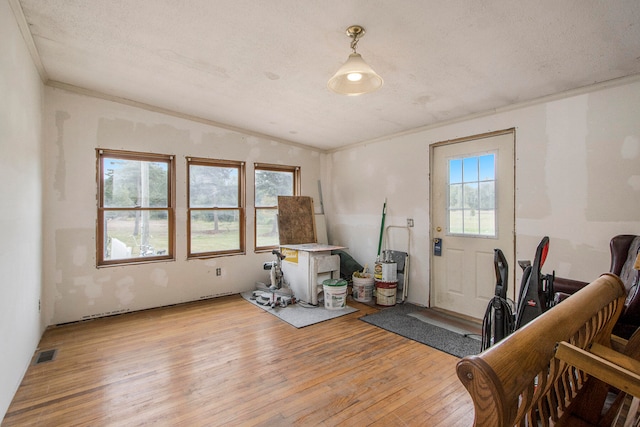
[[472, 195], [272, 181], [216, 211], [135, 207]]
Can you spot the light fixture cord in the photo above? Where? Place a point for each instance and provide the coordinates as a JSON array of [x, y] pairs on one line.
[[354, 43]]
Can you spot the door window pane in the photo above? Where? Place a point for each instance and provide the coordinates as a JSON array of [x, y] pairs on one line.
[[472, 196], [455, 171], [470, 169], [487, 167], [487, 195], [455, 196], [456, 222]]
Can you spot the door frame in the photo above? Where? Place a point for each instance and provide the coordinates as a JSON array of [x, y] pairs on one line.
[[512, 271]]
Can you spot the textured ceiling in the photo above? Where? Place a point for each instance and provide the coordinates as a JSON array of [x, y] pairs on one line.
[[263, 65]]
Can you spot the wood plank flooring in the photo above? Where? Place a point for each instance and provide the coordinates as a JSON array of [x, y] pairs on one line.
[[223, 362]]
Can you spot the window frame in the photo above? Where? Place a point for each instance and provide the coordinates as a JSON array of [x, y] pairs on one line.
[[241, 208], [463, 185], [296, 172], [101, 154]]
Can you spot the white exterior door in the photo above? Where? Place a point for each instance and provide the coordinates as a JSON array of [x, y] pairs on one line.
[[472, 211]]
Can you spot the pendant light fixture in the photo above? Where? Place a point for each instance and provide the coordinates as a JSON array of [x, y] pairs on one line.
[[355, 77]]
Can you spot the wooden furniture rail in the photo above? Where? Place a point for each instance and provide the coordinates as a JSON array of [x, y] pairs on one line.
[[520, 381]]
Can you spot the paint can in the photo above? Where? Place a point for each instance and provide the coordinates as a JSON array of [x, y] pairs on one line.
[[388, 268], [377, 269], [335, 294], [363, 287], [389, 272], [386, 293]]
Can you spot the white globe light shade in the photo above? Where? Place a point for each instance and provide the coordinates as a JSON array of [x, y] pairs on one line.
[[355, 77]]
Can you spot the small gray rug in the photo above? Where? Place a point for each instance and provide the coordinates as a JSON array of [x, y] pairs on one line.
[[398, 319], [299, 316]]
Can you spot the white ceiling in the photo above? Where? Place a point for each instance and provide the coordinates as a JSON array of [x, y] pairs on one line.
[[263, 65]]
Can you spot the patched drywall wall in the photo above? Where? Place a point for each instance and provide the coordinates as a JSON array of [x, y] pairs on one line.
[[75, 125], [577, 181], [21, 93]]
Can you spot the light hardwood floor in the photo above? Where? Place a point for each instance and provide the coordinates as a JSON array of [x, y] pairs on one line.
[[225, 362]]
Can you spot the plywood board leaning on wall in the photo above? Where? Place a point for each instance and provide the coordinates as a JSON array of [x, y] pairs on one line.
[[296, 220]]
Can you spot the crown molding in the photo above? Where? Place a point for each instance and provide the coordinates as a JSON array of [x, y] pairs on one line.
[[28, 38]]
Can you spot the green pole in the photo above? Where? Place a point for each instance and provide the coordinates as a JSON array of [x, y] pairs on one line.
[[384, 214]]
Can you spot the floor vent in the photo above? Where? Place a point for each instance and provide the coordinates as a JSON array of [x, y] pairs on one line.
[[46, 356]]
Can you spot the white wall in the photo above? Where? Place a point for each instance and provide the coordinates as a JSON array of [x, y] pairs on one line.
[[74, 126], [21, 94], [577, 181]]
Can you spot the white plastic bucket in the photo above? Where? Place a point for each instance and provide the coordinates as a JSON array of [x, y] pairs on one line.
[[363, 287], [335, 294]]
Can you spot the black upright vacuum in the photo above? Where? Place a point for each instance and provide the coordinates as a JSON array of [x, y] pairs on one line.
[[498, 320], [536, 292], [535, 297]]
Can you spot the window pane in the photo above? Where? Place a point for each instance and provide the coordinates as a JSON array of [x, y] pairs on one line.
[[455, 196], [270, 185], [470, 193], [133, 183], [213, 186], [487, 222], [215, 230], [487, 167], [471, 221], [266, 228], [488, 195], [455, 171], [470, 169], [135, 233], [471, 217], [455, 222]]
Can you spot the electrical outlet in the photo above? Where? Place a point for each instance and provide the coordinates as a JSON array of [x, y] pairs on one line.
[[218, 271], [409, 222]]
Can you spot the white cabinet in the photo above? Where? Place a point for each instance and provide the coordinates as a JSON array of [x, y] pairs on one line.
[[306, 266]]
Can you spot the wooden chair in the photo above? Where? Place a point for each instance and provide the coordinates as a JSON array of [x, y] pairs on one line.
[[617, 366], [546, 373]]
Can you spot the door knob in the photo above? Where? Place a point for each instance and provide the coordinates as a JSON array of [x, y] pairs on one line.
[[438, 229]]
